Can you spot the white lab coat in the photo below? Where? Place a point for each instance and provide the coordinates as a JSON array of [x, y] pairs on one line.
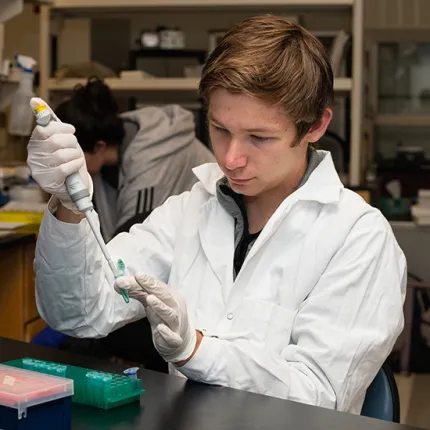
[[311, 316]]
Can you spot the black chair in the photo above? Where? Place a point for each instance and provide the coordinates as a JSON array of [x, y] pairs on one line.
[[382, 397]]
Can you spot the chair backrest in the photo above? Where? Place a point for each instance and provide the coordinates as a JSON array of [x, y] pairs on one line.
[[333, 143], [382, 397]]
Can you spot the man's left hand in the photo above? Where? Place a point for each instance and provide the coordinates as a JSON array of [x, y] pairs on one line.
[[173, 335]]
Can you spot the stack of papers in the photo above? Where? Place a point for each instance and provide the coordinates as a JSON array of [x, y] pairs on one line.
[[421, 211]]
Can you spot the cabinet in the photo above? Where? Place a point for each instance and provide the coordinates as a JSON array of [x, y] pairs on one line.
[[399, 104], [19, 318], [398, 117]]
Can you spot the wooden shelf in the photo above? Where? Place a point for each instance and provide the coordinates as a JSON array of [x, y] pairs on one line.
[[403, 120], [133, 84], [159, 84], [88, 4]]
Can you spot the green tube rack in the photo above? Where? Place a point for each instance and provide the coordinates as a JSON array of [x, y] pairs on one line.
[[93, 388]]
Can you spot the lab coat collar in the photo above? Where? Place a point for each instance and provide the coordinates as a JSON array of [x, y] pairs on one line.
[[323, 185], [209, 174]]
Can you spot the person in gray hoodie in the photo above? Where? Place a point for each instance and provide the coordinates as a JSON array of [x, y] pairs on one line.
[[136, 159]]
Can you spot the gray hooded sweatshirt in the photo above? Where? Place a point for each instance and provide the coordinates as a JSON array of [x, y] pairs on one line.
[[155, 164]]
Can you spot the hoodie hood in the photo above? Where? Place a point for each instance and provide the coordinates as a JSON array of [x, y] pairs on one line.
[[162, 130]]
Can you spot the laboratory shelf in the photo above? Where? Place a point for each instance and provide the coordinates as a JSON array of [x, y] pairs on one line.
[[160, 84], [76, 4]]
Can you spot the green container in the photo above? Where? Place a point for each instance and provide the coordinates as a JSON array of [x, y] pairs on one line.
[[93, 388], [395, 209]]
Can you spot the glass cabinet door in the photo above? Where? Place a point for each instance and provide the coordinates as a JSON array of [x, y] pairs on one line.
[[404, 79], [400, 142]]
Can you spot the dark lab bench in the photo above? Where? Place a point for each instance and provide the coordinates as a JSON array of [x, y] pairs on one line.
[[174, 403]]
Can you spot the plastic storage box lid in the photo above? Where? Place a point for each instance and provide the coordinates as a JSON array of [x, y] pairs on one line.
[[20, 389]]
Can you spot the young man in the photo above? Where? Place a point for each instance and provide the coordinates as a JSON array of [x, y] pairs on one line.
[[137, 159], [268, 276]]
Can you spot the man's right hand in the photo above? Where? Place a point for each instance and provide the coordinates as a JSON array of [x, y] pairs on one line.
[[53, 155]]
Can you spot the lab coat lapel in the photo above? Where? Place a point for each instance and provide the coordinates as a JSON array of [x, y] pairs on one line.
[[242, 283], [216, 231], [272, 226]]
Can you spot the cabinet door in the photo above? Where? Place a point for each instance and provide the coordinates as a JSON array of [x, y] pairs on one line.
[[30, 309], [33, 328], [403, 79], [12, 293], [402, 97]]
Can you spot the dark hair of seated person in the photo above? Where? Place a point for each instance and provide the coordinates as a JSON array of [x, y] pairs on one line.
[[94, 112]]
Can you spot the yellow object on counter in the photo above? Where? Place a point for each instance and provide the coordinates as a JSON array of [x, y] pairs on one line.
[[22, 212], [21, 217]]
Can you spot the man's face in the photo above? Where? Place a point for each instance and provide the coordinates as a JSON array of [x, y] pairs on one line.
[[253, 143], [94, 162]]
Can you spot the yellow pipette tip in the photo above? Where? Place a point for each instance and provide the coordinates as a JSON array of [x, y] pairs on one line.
[[40, 108]]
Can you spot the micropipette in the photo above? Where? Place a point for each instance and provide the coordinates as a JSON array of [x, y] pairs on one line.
[[78, 193]]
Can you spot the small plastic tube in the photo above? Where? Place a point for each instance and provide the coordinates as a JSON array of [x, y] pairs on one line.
[[131, 372]]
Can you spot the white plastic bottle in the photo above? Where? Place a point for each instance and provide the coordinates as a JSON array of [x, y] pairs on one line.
[[21, 117]]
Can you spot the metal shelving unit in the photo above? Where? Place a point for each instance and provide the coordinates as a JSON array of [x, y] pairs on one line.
[[353, 85]]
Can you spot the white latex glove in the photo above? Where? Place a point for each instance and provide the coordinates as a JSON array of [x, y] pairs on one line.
[[54, 154], [173, 335]]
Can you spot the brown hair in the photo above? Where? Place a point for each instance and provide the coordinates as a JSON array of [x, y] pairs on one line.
[[275, 61]]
